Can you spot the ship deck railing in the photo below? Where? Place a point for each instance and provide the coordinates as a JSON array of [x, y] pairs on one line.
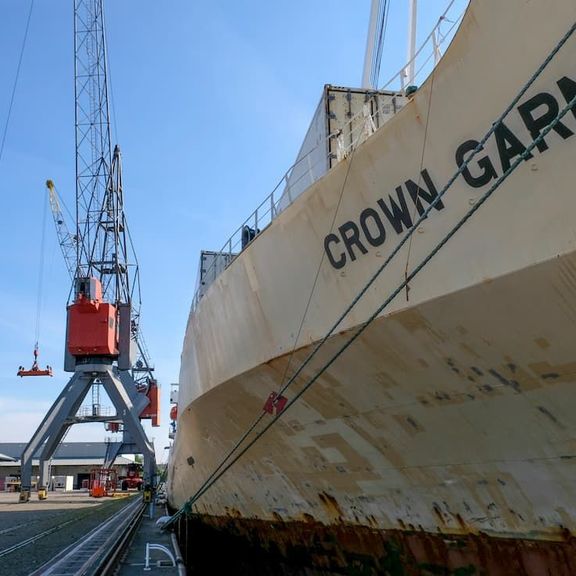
[[425, 58]]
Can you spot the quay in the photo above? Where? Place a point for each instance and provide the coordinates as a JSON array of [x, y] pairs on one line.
[[118, 535]]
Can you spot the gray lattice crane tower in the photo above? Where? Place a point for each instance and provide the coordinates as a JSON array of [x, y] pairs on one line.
[[104, 347]]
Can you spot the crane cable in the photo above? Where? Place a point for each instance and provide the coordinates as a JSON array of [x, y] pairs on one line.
[[41, 275], [5, 131]]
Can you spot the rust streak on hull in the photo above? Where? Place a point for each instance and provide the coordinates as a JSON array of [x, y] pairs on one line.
[[258, 547]]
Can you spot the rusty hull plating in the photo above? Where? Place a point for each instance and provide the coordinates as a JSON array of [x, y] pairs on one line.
[[256, 547]]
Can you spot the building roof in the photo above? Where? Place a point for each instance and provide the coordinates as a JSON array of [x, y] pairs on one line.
[[4, 458], [67, 451], [120, 461]]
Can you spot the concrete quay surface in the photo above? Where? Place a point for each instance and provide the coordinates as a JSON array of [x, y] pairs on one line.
[[19, 521], [150, 533]]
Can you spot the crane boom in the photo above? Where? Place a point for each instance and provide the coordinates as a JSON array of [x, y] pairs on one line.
[[67, 241]]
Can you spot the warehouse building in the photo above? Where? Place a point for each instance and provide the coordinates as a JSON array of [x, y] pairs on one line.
[[70, 468]]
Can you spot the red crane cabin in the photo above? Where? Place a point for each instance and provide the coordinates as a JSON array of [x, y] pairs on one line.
[[91, 322]]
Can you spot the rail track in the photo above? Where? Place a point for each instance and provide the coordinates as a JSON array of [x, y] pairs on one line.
[[97, 552], [77, 541]]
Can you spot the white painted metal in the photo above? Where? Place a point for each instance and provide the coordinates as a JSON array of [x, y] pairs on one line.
[[212, 264], [370, 42], [65, 482], [161, 548], [457, 403], [174, 393], [412, 27], [436, 47]]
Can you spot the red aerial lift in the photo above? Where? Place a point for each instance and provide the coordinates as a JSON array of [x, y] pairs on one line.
[[103, 482]]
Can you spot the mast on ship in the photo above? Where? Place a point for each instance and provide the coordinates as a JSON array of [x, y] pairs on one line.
[[374, 40], [412, 20]]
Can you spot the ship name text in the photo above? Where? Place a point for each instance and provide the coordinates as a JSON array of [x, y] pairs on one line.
[[396, 212], [536, 113], [353, 238]]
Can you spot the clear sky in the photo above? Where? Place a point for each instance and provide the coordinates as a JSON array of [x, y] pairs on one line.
[[211, 101]]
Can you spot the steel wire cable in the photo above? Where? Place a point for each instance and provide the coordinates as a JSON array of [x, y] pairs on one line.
[[41, 275], [10, 106], [521, 158], [382, 26], [424, 142]]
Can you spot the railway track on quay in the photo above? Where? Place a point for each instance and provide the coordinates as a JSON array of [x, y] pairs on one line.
[[77, 537]]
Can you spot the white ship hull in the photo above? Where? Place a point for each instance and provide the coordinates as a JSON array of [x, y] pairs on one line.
[[453, 412]]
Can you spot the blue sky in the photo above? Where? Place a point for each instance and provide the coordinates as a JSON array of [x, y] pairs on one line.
[[211, 101]]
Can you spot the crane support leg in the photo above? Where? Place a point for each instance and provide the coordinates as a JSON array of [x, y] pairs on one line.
[[112, 451], [63, 414], [47, 452], [65, 405], [120, 397]]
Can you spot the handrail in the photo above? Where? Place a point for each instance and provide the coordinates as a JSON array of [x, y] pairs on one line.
[[269, 208]]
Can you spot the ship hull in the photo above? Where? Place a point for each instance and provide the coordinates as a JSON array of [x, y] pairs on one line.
[[438, 416]]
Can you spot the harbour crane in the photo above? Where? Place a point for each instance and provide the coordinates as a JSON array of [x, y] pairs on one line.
[[142, 367], [104, 346]]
